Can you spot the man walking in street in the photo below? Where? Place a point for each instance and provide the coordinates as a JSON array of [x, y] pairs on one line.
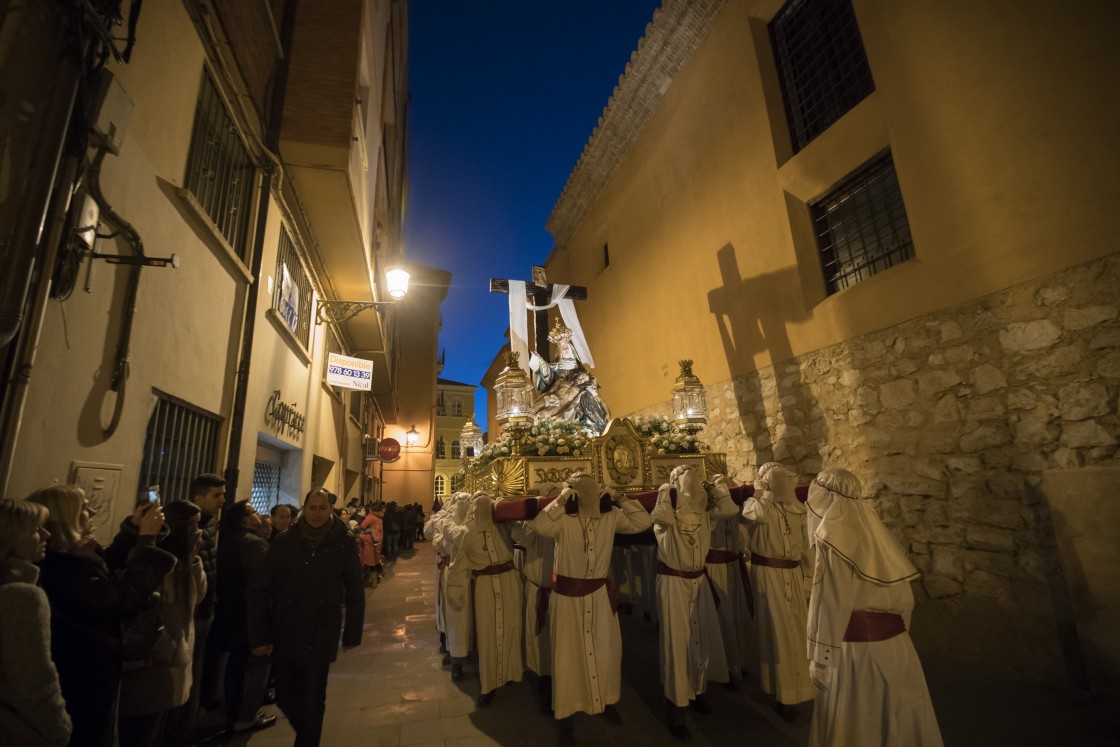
[[296, 611]]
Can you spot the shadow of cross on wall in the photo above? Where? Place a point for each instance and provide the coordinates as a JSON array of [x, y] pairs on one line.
[[752, 314]]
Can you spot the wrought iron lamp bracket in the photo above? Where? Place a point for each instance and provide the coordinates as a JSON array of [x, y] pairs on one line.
[[336, 312]]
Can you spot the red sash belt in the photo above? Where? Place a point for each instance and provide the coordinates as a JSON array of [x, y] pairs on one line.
[[493, 570], [665, 570], [757, 559], [570, 586], [727, 556], [865, 626], [444, 561]]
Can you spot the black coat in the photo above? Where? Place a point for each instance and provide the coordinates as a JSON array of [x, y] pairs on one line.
[[241, 556], [88, 601], [296, 602]]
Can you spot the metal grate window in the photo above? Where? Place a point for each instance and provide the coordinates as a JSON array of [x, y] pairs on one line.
[[861, 226], [821, 64], [181, 444], [266, 486], [291, 295], [356, 399], [220, 173]]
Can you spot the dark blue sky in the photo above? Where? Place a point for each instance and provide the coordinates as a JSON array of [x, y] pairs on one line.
[[505, 95]]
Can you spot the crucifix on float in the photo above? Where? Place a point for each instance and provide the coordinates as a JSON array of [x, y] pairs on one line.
[[539, 298]]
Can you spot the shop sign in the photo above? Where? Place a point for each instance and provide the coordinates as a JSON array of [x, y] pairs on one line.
[[351, 373], [284, 419]]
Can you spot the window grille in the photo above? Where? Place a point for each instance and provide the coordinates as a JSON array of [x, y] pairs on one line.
[[455, 450], [821, 63], [181, 444], [441, 449], [291, 295], [266, 486], [861, 225], [220, 173], [457, 407], [439, 485], [356, 399]]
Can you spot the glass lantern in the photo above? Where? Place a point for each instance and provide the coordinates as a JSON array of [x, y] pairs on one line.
[[470, 439], [514, 394], [412, 437], [396, 278], [690, 404]]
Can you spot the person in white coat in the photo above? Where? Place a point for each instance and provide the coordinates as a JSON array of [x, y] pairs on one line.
[[691, 641], [496, 598], [728, 570], [458, 616], [872, 688], [779, 548], [582, 619], [537, 579]]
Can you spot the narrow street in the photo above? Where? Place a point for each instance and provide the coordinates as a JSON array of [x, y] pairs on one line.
[[394, 690]]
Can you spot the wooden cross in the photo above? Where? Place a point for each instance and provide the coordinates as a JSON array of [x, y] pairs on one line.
[[539, 292]]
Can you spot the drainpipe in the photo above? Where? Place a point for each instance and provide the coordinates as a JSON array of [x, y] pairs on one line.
[[272, 143]]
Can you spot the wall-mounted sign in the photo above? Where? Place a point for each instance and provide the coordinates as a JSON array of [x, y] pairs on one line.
[[284, 419], [289, 300], [389, 450], [352, 373]]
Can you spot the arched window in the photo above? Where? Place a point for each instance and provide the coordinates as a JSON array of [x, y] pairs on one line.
[[455, 452], [440, 448], [457, 407], [440, 485], [456, 483]]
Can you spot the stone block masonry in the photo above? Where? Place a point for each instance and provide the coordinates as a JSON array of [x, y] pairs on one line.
[[951, 420]]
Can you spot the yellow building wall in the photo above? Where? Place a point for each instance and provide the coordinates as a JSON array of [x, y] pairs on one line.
[[1002, 131]]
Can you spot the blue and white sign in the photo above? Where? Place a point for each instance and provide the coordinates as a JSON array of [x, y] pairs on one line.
[[351, 373]]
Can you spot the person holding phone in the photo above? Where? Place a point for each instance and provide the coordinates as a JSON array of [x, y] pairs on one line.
[[90, 596]]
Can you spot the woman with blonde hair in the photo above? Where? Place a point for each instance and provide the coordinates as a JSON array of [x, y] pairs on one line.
[[91, 591], [32, 711]]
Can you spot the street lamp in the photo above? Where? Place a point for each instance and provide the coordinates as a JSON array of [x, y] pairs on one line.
[[336, 312], [412, 436], [690, 404]]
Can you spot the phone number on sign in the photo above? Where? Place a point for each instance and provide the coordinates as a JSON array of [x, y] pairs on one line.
[[350, 373]]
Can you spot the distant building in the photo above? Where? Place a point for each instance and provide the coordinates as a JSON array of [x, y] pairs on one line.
[[454, 408], [882, 231]]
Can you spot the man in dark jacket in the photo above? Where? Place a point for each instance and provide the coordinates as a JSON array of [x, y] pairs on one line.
[[296, 611]]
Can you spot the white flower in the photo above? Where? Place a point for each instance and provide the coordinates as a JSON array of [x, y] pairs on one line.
[[661, 451], [576, 453], [542, 452]]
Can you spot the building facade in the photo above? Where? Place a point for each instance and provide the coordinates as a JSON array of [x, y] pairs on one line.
[[878, 230], [263, 145], [454, 409]]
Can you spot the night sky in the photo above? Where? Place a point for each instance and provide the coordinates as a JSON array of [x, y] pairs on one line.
[[505, 95]]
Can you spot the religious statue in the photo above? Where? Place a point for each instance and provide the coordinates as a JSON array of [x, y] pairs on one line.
[[568, 390]]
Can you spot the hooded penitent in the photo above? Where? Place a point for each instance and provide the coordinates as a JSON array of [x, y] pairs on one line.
[[854, 531], [777, 482], [481, 511], [586, 490], [458, 506]]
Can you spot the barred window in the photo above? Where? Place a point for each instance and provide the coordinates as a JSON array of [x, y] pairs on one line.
[[291, 295], [439, 485], [821, 63], [356, 399], [266, 486], [861, 225], [181, 444], [220, 173]]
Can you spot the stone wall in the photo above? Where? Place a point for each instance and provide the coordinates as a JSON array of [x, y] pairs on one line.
[[951, 421]]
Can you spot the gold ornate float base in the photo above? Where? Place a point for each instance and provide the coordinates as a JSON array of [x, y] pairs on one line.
[[621, 459]]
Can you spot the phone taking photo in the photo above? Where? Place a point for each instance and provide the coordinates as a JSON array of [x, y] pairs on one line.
[[153, 494]]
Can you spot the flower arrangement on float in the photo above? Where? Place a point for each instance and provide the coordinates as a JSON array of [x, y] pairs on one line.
[[664, 436], [503, 447], [557, 437]]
